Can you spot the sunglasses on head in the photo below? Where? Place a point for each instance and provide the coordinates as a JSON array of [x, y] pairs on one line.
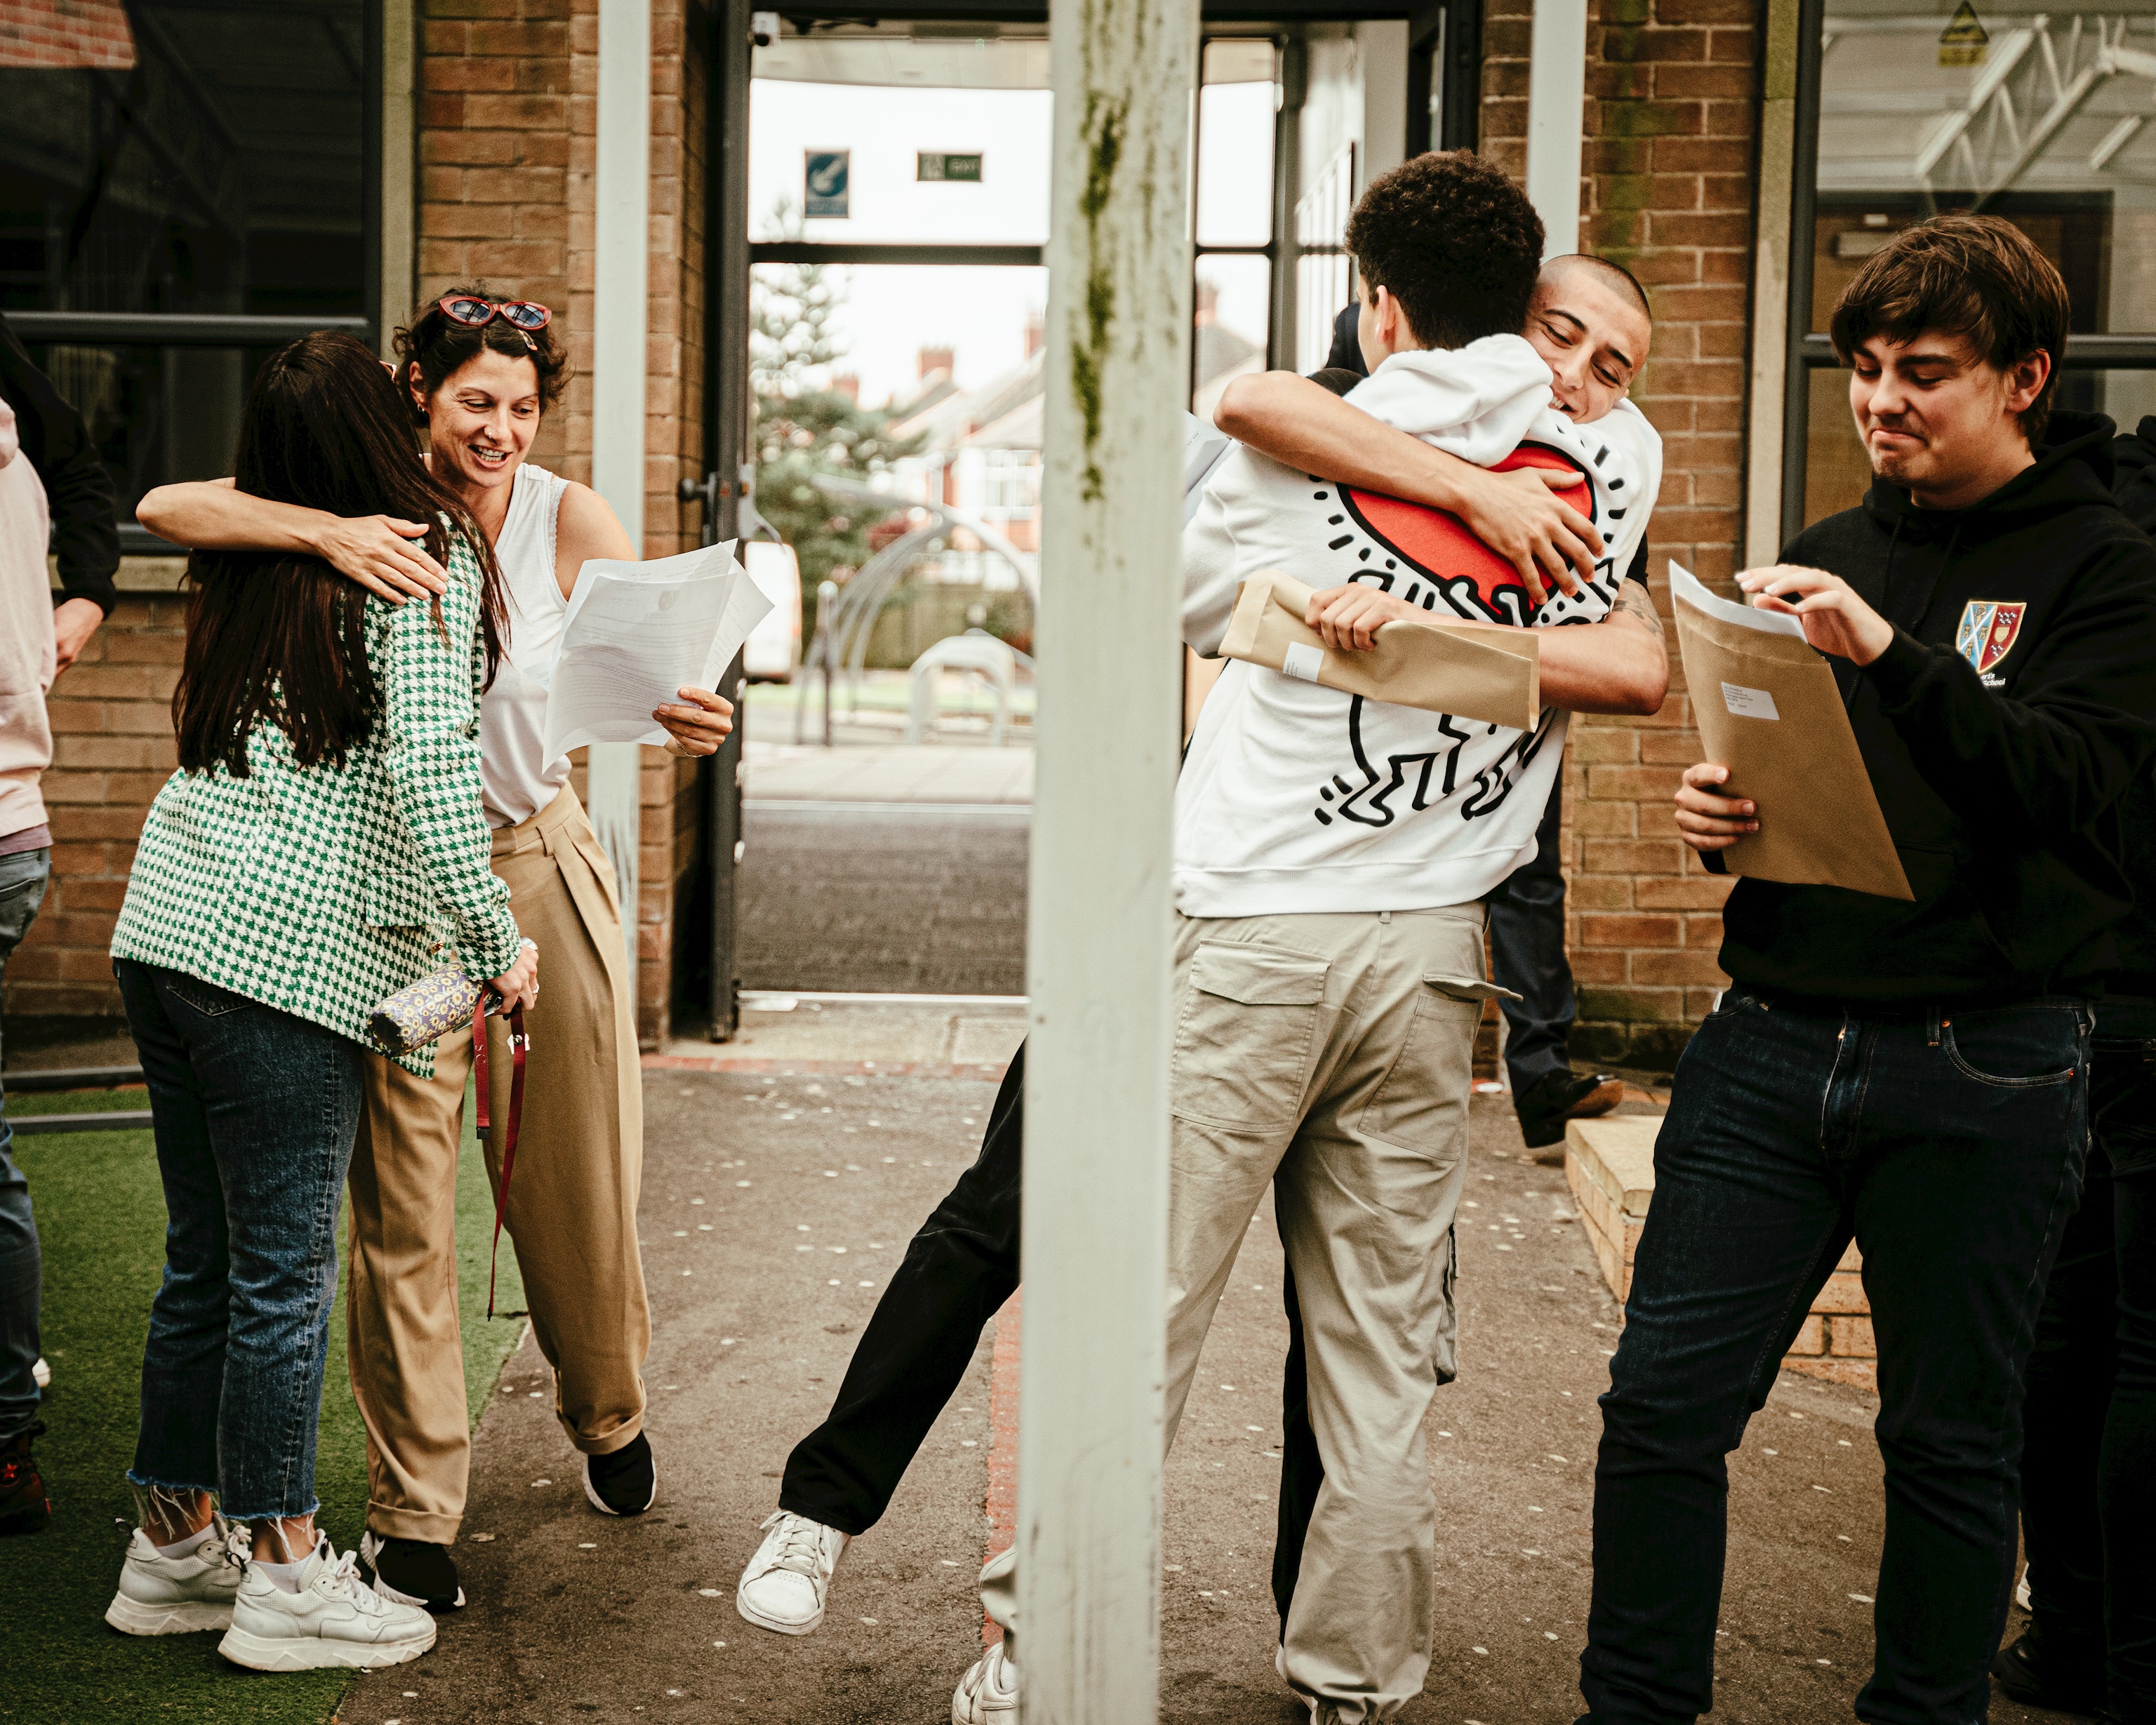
[[474, 313]]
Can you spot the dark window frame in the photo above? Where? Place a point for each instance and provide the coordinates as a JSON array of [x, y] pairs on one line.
[[242, 330], [1810, 350]]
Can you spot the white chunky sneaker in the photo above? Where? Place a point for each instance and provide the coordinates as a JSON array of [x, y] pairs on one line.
[[160, 1595], [786, 1583], [988, 1694], [336, 1620]]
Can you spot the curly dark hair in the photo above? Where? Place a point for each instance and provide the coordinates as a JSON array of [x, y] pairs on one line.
[[1454, 241], [436, 347]]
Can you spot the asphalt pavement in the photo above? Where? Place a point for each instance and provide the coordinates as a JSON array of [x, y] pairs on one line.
[[777, 1201]]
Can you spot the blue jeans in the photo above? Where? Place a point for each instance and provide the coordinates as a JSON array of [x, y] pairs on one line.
[[1951, 1147], [255, 1112], [23, 878]]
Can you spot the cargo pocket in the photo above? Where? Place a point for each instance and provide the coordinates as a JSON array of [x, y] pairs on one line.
[[1247, 1037], [1421, 1104]]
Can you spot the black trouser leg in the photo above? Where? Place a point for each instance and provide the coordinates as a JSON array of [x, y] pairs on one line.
[[958, 1270], [1527, 955], [1302, 1469], [2125, 1481], [2070, 1376]]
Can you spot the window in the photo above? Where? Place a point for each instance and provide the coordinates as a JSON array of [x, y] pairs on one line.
[[182, 191], [1239, 120], [2044, 122]]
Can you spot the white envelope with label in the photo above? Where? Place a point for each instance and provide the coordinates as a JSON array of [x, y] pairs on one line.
[[1768, 709]]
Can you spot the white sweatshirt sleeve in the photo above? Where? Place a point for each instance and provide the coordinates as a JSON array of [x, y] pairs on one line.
[[1210, 575]]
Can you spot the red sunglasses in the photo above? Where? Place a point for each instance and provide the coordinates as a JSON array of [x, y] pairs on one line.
[[474, 313]]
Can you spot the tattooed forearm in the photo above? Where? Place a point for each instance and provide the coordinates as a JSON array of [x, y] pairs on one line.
[[1635, 601]]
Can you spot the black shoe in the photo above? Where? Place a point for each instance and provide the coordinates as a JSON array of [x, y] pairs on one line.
[[625, 1483], [411, 1572], [1556, 1097], [24, 1509], [2048, 1669]]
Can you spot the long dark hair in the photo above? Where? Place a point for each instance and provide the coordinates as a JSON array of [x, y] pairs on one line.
[[280, 637]]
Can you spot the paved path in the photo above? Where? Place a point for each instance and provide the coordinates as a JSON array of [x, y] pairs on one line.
[[889, 773], [757, 1179]]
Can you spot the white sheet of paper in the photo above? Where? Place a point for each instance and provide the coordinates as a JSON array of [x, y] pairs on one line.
[[636, 633], [1689, 587]]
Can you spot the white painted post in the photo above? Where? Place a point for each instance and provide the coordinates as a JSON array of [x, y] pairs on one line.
[[1557, 88], [1124, 74], [620, 320]]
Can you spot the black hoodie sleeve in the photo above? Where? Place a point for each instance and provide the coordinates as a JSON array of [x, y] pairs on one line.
[[2083, 720], [78, 490]]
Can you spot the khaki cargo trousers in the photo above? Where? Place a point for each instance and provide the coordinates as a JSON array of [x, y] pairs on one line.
[[573, 1196], [1330, 1057]]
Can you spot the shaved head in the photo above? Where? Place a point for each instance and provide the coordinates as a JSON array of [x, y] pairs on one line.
[[1591, 325], [1615, 277]]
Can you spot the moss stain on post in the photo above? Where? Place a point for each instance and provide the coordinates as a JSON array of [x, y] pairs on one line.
[[1104, 127]]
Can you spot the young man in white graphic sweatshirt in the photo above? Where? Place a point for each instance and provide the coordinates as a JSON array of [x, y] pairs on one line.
[[1331, 854]]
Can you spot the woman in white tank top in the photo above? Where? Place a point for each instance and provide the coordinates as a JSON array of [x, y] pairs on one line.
[[482, 373]]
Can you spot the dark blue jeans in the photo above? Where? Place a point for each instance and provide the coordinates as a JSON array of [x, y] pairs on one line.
[[1951, 1147], [2088, 1475], [255, 1112], [23, 878]]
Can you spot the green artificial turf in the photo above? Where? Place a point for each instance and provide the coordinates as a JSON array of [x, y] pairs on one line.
[[101, 1220]]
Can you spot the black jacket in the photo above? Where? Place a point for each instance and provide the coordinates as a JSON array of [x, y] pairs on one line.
[[2134, 486], [2001, 783], [78, 490]]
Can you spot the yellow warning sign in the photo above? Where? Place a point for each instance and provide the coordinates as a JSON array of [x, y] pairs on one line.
[[1964, 40]]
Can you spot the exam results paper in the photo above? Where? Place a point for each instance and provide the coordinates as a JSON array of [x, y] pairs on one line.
[[637, 634]]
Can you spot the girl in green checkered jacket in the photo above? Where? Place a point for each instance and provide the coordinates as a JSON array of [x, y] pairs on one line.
[[321, 846]]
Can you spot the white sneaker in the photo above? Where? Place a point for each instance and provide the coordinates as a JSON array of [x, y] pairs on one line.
[[786, 1583], [335, 1619], [160, 1595], [988, 1694]]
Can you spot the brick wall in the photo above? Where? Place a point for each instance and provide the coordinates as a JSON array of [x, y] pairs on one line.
[[52, 33], [112, 747], [508, 150], [1670, 121]]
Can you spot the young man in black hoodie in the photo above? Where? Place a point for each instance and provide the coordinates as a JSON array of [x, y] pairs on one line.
[[1910, 1074]]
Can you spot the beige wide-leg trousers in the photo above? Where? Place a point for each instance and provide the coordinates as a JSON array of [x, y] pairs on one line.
[[1331, 1055], [572, 1198]]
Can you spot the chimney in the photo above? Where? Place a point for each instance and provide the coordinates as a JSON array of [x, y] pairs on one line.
[[1208, 303], [1036, 332], [936, 359], [848, 385]]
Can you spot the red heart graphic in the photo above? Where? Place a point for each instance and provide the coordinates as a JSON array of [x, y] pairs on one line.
[[1439, 546]]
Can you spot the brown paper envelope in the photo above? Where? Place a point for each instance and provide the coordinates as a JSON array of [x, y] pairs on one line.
[[1819, 824], [1490, 673]]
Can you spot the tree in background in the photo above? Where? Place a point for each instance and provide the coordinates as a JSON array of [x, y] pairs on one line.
[[803, 427]]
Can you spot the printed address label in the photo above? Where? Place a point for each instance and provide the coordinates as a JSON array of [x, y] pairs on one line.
[[1303, 661], [1748, 703]]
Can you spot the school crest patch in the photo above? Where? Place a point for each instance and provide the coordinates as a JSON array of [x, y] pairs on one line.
[[1987, 632]]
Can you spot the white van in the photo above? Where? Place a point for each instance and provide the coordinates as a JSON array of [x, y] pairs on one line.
[[773, 648]]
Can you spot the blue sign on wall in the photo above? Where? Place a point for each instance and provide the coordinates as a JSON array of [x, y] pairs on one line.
[[823, 174]]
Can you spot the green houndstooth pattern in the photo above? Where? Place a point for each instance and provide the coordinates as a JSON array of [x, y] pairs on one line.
[[321, 891]]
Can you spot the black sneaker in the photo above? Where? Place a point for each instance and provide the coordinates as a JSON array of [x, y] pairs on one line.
[[24, 1506], [411, 1572], [1556, 1097], [2047, 1668], [625, 1483]]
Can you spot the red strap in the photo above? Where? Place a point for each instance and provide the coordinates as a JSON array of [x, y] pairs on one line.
[[519, 1043]]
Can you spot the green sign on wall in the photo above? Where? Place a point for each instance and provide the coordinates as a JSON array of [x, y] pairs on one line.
[[938, 165]]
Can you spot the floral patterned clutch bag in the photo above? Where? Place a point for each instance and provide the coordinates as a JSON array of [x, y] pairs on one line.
[[424, 1013]]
